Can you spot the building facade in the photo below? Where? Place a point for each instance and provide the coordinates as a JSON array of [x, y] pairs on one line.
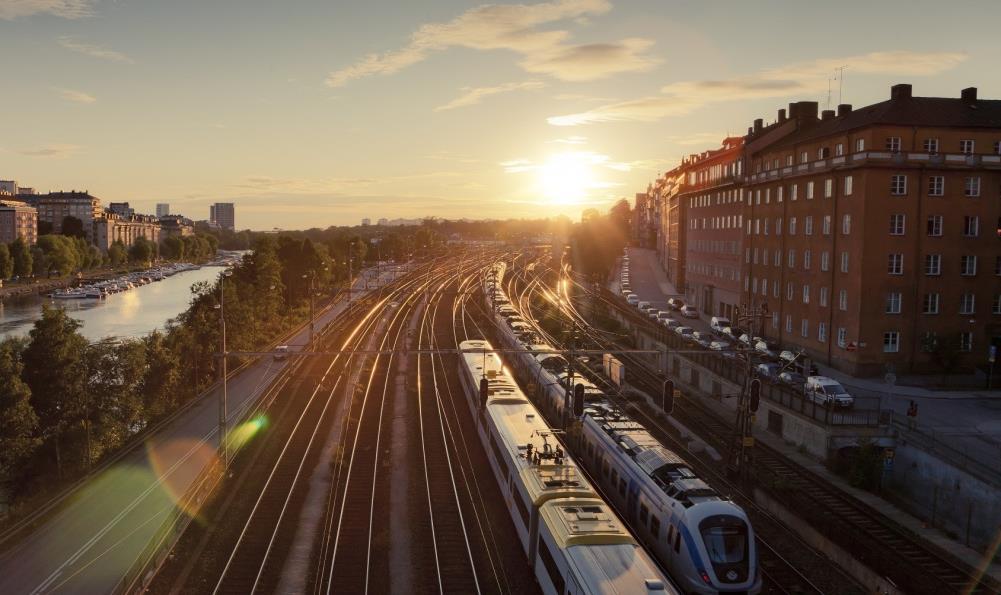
[[55, 206], [223, 214], [871, 236], [714, 199], [162, 209], [18, 220], [112, 227]]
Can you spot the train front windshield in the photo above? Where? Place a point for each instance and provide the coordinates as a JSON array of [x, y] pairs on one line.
[[725, 539]]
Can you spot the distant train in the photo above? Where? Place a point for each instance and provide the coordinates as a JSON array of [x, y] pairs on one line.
[[705, 541], [573, 540]]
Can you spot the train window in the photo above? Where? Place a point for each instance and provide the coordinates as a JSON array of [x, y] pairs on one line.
[[551, 568], [521, 507], [622, 487], [677, 542], [615, 477], [604, 467], [655, 526], [644, 513]]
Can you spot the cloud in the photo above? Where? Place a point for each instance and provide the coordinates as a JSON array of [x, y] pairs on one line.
[[67, 9], [76, 96], [55, 151], [473, 95], [570, 140], [94, 51], [808, 78], [515, 28]]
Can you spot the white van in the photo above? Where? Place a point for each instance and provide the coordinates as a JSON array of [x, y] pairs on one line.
[[718, 323], [632, 299], [828, 391], [281, 352]]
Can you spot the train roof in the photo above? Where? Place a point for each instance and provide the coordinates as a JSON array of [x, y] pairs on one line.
[[668, 470], [500, 383], [600, 549]]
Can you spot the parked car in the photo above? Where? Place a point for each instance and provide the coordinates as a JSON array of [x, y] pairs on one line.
[[718, 323], [632, 299], [689, 312], [644, 306], [653, 313], [665, 315], [793, 379], [827, 391], [281, 352], [722, 346], [670, 322], [702, 338], [787, 356], [675, 303], [684, 332], [768, 372], [765, 349], [626, 290], [734, 333], [749, 340]]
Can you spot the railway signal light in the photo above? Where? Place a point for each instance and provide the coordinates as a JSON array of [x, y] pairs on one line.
[[484, 390], [578, 400], [667, 397], [755, 394]]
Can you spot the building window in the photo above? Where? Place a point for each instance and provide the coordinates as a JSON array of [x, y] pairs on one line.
[[968, 303], [891, 342], [968, 265], [777, 258], [827, 225], [846, 224], [823, 296], [806, 259], [930, 304], [792, 259], [806, 294], [859, 145], [933, 265], [966, 341], [895, 264], [794, 192], [935, 225], [844, 262], [843, 300], [804, 327], [971, 226], [931, 145], [966, 146], [788, 160], [898, 184], [804, 157], [839, 149], [788, 323], [808, 225], [893, 144], [996, 304], [936, 185], [778, 226], [822, 332], [897, 224], [972, 186], [778, 194], [893, 303], [792, 226], [842, 336], [789, 290], [849, 184], [775, 316], [809, 191], [825, 260], [828, 188]]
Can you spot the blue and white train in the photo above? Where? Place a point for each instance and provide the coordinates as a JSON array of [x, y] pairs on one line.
[[705, 541], [572, 538]]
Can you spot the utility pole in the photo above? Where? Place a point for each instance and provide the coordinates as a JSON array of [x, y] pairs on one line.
[[741, 455], [223, 446]]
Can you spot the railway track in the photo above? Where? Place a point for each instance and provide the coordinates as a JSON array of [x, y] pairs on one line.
[[911, 563]]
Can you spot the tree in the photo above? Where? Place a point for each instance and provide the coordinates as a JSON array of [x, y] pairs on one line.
[[6, 262], [142, 251], [111, 407], [117, 254], [60, 254], [163, 374], [54, 371], [21, 255], [44, 227], [73, 227], [18, 421]]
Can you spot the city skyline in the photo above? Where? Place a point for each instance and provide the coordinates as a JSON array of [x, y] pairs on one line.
[[456, 110]]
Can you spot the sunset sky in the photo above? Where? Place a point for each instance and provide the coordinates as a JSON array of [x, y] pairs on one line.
[[320, 113]]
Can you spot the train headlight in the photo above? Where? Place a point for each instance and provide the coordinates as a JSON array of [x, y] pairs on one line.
[[705, 577]]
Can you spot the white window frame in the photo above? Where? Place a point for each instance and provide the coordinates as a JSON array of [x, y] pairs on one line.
[[842, 336], [849, 185], [898, 224], [931, 303], [971, 186], [898, 185], [934, 226], [968, 303], [891, 342], [893, 300], [968, 265], [893, 144], [933, 265], [967, 146], [895, 263]]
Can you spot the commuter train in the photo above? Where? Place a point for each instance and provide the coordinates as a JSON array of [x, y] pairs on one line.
[[572, 538], [705, 541]]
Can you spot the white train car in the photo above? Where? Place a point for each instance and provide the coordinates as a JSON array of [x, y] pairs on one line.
[[573, 540], [705, 541]]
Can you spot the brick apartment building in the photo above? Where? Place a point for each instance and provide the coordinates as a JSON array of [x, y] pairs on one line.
[[714, 201], [17, 220], [869, 236]]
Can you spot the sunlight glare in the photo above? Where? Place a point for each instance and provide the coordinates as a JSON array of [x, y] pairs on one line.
[[565, 178]]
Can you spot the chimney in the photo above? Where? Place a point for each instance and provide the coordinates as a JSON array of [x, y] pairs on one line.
[[968, 94], [844, 109], [900, 91], [782, 116], [827, 114], [793, 111], [806, 111], [750, 131], [758, 125]]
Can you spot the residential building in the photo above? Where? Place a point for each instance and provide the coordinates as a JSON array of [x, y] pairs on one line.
[[223, 214], [714, 226], [17, 220], [113, 227], [55, 206], [366, 222], [175, 225], [162, 209], [121, 208], [885, 238]]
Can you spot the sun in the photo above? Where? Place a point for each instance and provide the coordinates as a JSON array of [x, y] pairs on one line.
[[566, 178]]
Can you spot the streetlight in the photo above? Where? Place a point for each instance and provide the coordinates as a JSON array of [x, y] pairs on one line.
[[223, 447]]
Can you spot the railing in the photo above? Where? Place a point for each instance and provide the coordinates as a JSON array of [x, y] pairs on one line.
[[986, 467]]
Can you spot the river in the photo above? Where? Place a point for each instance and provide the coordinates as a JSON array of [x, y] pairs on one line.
[[132, 313]]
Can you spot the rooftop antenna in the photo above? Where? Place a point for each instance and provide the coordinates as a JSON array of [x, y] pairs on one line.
[[829, 79], [841, 80]]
